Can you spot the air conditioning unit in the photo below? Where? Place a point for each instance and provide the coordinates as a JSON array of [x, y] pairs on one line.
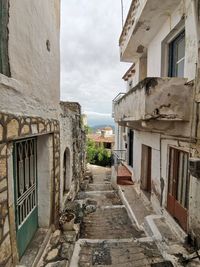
[[194, 167]]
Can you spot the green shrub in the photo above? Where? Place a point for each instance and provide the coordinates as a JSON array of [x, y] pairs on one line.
[[98, 155]]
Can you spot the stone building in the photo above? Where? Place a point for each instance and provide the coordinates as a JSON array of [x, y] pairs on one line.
[[41, 141], [157, 119]]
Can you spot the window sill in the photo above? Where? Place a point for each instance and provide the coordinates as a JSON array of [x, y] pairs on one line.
[[9, 82]]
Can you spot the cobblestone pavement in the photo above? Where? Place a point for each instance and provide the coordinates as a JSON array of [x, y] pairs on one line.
[[108, 237]]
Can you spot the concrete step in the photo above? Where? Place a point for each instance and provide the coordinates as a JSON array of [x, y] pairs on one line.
[[122, 181], [124, 176]]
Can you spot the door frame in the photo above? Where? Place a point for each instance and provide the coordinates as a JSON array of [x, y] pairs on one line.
[[32, 218], [146, 161], [130, 147], [174, 207]]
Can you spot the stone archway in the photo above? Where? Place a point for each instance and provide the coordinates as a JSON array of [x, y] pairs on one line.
[[66, 171]]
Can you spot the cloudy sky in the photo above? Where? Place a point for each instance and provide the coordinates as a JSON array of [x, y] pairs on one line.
[[90, 68]]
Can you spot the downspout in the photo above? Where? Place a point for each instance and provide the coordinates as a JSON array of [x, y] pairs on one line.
[[195, 104]]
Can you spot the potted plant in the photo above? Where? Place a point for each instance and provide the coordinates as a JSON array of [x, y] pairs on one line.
[[67, 221]]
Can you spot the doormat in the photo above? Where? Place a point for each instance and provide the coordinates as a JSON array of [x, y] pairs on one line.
[[101, 255]]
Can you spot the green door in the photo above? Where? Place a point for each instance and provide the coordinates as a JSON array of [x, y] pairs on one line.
[[25, 181]]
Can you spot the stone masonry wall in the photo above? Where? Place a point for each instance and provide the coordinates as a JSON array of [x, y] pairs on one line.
[[73, 136], [12, 128]]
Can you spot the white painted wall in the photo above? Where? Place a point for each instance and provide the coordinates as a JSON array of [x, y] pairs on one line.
[[134, 78], [152, 140], [194, 210], [35, 71], [170, 27], [45, 179]]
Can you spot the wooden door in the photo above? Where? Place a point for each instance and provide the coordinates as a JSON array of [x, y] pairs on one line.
[[146, 168], [178, 186]]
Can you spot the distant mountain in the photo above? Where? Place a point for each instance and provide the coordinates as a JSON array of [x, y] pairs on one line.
[[93, 121], [96, 127]]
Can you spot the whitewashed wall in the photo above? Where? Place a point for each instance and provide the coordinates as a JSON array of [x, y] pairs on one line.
[[35, 71], [152, 140], [174, 23]]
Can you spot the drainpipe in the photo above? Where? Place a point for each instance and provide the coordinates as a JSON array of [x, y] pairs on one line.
[[195, 10], [195, 107]]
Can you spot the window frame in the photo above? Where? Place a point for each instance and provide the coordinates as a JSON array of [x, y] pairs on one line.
[[164, 68], [172, 53], [174, 174]]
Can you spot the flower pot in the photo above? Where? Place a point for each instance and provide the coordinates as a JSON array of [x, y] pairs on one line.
[[67, 221]]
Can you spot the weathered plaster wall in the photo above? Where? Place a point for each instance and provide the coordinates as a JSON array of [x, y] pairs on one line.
[[45, 179], [35, 70], [29, 107], [156, 99], [72, 137], [194, 211]]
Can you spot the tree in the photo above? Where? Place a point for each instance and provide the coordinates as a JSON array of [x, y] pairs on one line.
[[98, 155]]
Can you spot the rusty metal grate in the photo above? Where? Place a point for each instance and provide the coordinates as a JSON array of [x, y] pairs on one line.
[[101, 255], [162, 264]]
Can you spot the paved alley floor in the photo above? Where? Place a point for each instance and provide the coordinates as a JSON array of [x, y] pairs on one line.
[[108, 237]]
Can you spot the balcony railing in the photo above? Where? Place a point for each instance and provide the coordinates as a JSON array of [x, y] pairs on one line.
[[117, 98], [119, 157]]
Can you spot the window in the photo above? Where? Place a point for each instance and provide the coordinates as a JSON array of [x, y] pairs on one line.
[[177, 56], [4, 17]]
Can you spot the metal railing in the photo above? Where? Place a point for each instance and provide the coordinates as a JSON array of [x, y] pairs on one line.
[[116, 99], [118, 156]]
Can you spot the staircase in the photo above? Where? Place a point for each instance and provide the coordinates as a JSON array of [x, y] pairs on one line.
[[124, 176]]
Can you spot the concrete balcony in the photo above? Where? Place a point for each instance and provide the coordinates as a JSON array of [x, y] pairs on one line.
[[155, 99], [143, 21]]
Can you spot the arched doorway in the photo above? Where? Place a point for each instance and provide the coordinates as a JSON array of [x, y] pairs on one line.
[[66, 171]]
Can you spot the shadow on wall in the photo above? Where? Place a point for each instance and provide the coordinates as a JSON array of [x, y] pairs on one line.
[[67, 175]]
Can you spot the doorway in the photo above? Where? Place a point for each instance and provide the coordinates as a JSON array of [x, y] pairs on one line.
[[178, 186], [130, 152], [66, 171], [26, 191], [146, 169]]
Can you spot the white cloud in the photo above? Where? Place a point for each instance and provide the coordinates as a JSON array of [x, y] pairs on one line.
[[90, 68]]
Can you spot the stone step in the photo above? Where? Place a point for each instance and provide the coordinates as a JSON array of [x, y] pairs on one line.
[[122, 181], [123, 172], [124, 176]]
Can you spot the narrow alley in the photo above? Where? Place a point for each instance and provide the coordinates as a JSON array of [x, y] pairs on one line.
[[108, 237], [115, 226], [100, 133]]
